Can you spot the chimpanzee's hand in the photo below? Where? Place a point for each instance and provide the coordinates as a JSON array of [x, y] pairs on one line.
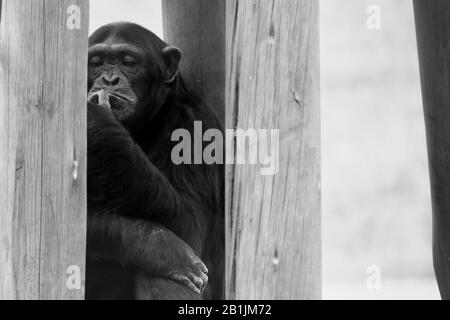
[[101, 98], [99, 119], [169, 256]]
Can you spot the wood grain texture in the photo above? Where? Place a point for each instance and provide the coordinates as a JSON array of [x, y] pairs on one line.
[[42, 139], [273, 227], [433, 37], [197, 27]]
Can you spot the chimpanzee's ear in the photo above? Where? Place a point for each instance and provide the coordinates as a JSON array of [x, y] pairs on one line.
[[172, 56]]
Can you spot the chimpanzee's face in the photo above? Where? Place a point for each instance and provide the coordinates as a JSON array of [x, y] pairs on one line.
[[131, 71], [116, 76]]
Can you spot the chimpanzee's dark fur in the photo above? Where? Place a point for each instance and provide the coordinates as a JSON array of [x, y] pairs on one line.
[[150, 223]]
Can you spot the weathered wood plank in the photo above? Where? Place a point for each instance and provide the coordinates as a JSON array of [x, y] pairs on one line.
[[198, 28], [433, 37], [43, 59], [273, 227]]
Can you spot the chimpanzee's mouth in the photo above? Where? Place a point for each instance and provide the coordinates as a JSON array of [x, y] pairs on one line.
[[121, 98], [119, 102], [113, 100]]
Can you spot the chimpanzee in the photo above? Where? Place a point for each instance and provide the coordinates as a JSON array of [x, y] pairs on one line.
[[155, 229]]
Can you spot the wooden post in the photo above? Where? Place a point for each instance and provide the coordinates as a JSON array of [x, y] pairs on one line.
[[273, 83], [433, 37], [43, 62], [198, 28]]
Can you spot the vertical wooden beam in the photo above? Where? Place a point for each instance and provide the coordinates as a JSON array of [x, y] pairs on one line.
[[198, 28], [273, 83], [43, 62], [433, 38]]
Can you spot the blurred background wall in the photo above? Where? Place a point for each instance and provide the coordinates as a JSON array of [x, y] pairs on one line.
[[144, 12], [376, 199]]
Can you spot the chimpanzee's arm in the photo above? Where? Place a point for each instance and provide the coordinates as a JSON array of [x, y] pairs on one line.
[[145, 245], [126, 178]]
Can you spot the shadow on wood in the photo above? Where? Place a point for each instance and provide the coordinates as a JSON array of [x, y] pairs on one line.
[[198, 28]]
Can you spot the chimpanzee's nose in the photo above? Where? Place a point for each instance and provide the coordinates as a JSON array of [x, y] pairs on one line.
[[110, 80]]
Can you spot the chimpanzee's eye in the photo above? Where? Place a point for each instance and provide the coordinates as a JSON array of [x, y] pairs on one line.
[[95, 61], [129, 61]]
